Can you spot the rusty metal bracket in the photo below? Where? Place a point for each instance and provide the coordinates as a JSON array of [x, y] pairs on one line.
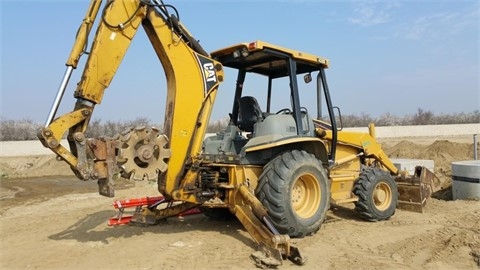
[[104, 166]]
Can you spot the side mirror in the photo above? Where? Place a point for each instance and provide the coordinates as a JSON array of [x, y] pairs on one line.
[[307, 78]]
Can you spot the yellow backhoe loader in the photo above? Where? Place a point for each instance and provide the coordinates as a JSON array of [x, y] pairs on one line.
[[278, 171]]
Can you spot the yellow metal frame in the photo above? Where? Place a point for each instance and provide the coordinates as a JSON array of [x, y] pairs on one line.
[[262, 45]]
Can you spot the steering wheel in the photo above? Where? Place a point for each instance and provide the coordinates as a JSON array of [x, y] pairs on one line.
[[284, 111]]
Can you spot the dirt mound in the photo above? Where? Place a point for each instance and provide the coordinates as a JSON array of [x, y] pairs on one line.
[[439, 151], [445, 152], [404, 149]]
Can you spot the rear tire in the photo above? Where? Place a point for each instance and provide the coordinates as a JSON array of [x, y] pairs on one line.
[[295, 190], [377, 195]]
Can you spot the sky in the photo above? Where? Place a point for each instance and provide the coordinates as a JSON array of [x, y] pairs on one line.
[[386, 56]]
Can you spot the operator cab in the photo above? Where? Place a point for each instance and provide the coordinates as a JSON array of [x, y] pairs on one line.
[[277, 115]]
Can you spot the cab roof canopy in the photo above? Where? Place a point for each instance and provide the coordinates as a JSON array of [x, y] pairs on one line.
[[267, 59]]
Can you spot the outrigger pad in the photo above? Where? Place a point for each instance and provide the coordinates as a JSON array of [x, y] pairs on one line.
[[266, 257], [296, 257]]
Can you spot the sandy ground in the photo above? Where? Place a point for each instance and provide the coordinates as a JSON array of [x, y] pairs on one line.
[[60, 223]]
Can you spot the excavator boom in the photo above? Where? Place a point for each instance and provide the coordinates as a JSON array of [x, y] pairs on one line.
[[191, 99]]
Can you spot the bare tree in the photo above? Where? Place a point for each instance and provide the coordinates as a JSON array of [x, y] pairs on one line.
[[26, 129]]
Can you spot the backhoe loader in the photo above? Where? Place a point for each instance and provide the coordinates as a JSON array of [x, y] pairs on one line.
[[277, 170]]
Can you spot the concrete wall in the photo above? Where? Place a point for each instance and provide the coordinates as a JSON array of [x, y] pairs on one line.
[[423, 131], [26, 148]]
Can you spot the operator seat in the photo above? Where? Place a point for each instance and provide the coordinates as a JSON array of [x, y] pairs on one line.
[[249, 113]]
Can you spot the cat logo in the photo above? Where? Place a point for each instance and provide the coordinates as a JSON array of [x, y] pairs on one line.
[[209, 72]]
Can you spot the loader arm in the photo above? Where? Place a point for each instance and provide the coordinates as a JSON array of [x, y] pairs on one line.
[[414, 190], [192, 80], [367, 144]]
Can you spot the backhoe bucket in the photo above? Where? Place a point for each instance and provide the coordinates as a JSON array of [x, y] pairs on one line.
[[415, 190]]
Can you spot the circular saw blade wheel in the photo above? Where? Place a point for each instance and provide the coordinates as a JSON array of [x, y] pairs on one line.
[[142, 153]]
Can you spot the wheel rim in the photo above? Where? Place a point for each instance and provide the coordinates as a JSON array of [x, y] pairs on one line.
[[306, 196], [382, 196]]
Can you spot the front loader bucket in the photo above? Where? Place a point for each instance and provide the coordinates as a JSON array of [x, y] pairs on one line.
[[415, 190]]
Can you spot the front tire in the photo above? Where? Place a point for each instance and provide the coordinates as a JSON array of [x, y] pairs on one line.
[[377, 195], [295, 190]]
